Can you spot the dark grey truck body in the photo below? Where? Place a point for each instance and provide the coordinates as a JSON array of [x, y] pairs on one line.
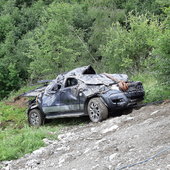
[[68, 95]]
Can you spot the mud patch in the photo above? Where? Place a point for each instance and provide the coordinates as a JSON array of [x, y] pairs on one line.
[[20, 102]]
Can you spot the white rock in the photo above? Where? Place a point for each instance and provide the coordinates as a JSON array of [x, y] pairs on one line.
[[39, 151], [168, 166], [93, 129], [63, 148], [147, 121], [111, 157], [7, 162], [47, 141], [110, 167], [95, 167], [100, 141], [6, 168], [112, 128], [32, 162], [110, 121], [96, 147], [66, 136], [129, 118], [63, 159], [87, 150], [61, 136], [52, 164], [154, 112]]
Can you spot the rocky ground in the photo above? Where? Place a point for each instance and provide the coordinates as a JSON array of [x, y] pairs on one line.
[[137, 141]]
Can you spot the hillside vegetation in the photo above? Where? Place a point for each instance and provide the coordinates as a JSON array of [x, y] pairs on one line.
[[42, 38]]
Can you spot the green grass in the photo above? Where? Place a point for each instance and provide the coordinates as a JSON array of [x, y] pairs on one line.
[[17, 138], [154, 91], [11, 116], [17, 142]]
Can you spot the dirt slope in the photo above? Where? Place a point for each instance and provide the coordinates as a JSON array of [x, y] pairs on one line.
[[143, 135]]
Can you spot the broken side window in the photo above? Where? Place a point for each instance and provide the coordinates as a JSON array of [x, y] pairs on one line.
[[71, 82]]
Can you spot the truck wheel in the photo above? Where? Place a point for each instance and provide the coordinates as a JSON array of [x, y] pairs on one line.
[[97, 110], [35, 118]]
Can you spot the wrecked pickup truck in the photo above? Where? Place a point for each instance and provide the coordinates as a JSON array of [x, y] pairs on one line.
[[82, 92]]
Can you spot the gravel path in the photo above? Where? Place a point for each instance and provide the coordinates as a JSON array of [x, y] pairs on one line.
[[140, 139]]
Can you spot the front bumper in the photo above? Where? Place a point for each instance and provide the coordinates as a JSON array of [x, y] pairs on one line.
[[118, 101]]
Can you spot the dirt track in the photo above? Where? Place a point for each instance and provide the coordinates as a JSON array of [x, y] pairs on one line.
[[143, 135]]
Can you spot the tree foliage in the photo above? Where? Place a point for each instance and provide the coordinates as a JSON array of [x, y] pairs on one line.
[[128, 47], [41, 38]]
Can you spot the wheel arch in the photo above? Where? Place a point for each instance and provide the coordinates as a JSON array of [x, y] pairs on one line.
[[89, 98], [33, 107]]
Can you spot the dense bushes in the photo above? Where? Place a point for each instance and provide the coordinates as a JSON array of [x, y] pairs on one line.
[[40, 38], [128, 48], [15, 22]]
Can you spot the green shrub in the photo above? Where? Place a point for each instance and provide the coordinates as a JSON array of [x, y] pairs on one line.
[[128, 47], [154, 90]]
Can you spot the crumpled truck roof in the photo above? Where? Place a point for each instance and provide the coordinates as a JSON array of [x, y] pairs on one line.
[[86, 74], [99, 79]]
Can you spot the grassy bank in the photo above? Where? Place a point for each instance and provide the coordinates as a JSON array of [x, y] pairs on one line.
[[154, 90], [17, 142], [16, 137]]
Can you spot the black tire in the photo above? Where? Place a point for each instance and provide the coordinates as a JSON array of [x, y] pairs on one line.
[[97, 111], [35, 118]]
